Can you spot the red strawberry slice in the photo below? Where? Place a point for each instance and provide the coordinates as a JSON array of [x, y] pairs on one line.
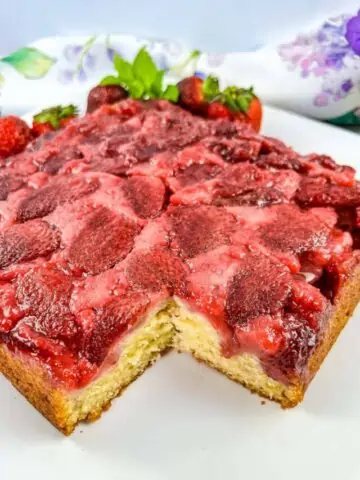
[[58, 159], [156, 269], [44, 293], [263, 335], [146, 195], [9, 183], [110, 322], [294, 230], [196, 230], [245, 184], [234, 150], [195, 173], [27, 241], [316, 192], [280, 161], [309, 303], [300, 342], [45, 200], [105, 240], [260, 287], [9, 310]]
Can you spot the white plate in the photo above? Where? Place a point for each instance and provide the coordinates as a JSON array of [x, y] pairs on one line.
[[182, 420]]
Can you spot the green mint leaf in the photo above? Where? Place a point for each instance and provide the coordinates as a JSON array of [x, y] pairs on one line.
[[171, 93], [144, 68], [156, 87], [211, 88], [110, 80], [124, 70], [136, 89]]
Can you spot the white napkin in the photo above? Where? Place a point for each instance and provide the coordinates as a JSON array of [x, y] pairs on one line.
[[315, 73]]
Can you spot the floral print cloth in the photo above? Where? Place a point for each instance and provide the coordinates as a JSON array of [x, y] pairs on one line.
[[316, 73]]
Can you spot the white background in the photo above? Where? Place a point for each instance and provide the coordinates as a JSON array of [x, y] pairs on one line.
[[226, 25]]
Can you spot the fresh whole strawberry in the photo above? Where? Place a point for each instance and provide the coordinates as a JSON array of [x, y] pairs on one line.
[[240, 117], [218, 110], [254, 113], [52, 119], [102, 95], [14, 135], [192, 95], [239, 104]]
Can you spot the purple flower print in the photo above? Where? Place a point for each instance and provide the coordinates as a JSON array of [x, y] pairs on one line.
[[66, 76], [90, 61], [161, 61], [72, 52], [321, 100], [329, 54], [347, 85], [81, 75], [352, 33], [110, 52], [335, 60], [79, 61]]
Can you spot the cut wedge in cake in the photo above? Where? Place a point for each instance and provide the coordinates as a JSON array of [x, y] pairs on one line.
[[142, 227]]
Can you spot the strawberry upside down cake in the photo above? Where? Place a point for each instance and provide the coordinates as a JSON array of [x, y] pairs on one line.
[[142, 226]]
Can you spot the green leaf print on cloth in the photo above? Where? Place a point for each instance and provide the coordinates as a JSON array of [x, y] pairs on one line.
[[29, 62]]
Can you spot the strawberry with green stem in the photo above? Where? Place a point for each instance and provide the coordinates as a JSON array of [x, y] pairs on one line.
[[205, 97], [242, 103], [52, 119], [142, 80]]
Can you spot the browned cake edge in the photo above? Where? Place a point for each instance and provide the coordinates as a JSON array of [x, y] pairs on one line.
[[345, 304], [33, 382]]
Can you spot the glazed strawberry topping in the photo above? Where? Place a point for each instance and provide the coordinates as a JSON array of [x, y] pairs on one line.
[[259, 287], [9, 183], [197, 230], [43, 201], [141, 201], [105, 239], [27, 241], [156, 269], [146, 195]]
